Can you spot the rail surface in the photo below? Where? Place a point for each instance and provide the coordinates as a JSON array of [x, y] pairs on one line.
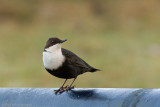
[[80, 97]]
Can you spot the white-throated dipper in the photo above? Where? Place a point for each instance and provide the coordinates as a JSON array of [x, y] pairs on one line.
[[63, 63]]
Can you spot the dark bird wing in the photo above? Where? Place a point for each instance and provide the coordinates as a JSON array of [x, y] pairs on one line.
[[74, 60]]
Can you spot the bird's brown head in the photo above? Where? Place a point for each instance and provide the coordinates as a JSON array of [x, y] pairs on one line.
[[54, 43]]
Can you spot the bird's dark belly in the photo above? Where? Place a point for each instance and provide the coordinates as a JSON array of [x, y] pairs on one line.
[[63, 72]]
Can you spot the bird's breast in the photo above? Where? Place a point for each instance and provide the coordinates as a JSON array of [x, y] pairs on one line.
[[53, 60]]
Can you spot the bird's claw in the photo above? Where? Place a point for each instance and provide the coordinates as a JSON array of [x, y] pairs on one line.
[[63, 89], [57, 91], [69, 88]]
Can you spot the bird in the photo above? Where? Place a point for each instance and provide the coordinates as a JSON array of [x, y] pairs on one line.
[[63, 63]]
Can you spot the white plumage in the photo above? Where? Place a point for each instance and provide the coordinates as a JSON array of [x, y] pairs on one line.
[[52, 57]]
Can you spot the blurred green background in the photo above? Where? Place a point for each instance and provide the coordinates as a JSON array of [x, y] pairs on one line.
[[120, 37]]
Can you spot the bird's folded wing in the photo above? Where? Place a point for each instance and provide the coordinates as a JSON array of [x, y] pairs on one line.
[[73, 59]]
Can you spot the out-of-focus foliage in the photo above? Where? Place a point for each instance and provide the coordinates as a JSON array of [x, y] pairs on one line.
[[117, 36]]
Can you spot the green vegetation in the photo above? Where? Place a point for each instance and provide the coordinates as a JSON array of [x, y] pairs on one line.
[[123, 42]]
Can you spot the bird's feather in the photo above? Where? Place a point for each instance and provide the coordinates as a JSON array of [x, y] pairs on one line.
[[73, 59]]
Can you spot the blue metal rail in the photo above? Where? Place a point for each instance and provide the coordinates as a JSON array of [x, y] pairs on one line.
[[79, 97]]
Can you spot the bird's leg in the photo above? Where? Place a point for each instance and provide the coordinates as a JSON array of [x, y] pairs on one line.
[[63, 84], [66, 88], [70, 86], [61, 88]]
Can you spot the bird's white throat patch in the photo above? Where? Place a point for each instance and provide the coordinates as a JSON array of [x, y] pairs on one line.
[[53, 57]]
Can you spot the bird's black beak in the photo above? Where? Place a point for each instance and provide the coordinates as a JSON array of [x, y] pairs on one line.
[[63, 40]]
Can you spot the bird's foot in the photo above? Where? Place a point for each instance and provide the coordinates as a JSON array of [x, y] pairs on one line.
[[70, 88], [66, 88], [63, 89], [59, 90]]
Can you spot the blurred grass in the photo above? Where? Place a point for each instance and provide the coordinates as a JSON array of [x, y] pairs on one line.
[[125, 61], [124, 43]]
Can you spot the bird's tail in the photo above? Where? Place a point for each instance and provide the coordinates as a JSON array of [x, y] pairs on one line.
[[94, 70]]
